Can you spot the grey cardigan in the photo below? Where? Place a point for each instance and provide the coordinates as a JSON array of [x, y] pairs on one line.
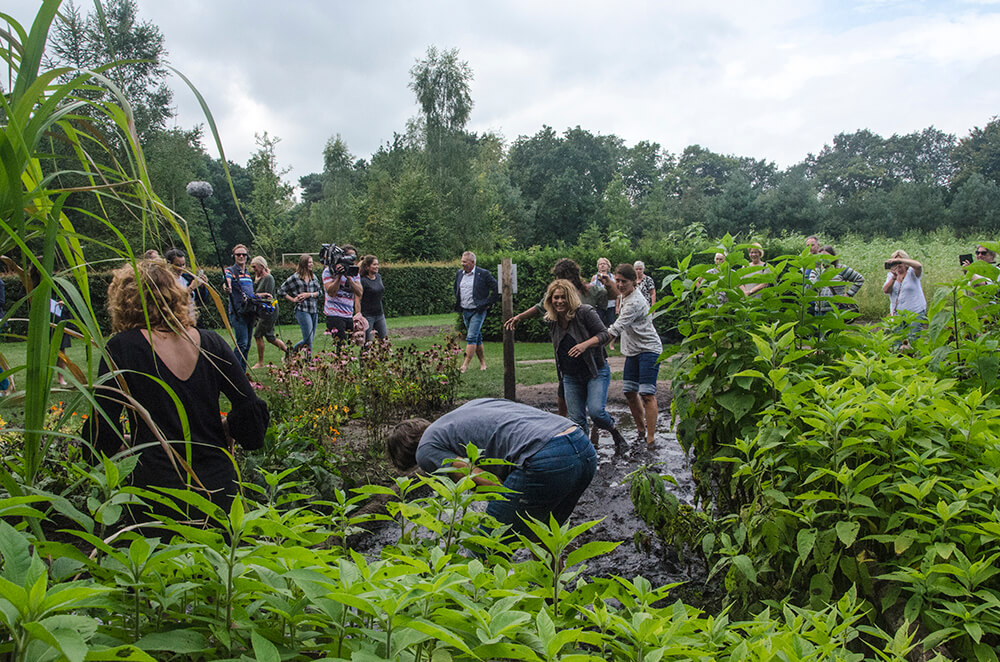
[[585, 325]]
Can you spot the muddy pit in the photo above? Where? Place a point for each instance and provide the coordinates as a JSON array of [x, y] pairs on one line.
[[608, 498]]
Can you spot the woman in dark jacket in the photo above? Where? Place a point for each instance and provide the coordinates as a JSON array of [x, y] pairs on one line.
[[170, 369], [578, 338]]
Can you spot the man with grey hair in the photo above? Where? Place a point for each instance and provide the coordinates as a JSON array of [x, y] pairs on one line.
[[475, 292]]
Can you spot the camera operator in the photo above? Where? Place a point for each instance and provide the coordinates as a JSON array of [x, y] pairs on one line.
[[342, 285]]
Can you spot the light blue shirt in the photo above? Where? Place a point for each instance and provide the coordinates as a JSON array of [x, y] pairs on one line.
[[465, 288]]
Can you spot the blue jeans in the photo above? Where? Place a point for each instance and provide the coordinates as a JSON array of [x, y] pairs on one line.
[[243, 330], [307, 325], [640, 373], [376, 324], [474, 325], [550, 481], [588, 394]]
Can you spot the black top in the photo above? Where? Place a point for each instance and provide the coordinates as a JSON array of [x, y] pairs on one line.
[[371, 297], [569, 365], [216, 372]]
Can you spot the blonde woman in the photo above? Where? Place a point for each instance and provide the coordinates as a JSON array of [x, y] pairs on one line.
[[578, 339], [756, 256], [162, 356], [263, 284]]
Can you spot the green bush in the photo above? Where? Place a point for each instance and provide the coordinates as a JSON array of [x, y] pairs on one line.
[[829, 462], [278, 580]]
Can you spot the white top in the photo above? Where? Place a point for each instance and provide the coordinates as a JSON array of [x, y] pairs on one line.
[[465, 288], [906, 295], [635, 327]]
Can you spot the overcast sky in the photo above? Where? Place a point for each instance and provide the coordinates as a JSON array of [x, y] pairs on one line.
[[773, 79]]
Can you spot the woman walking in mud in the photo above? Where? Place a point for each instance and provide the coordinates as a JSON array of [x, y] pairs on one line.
[[578, 339], [641, 346]]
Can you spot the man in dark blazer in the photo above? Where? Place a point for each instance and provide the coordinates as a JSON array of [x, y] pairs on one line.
[[475, 292]]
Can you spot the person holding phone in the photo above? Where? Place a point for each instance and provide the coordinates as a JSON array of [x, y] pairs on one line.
[[603, 277], [902, 284], [983, 254]]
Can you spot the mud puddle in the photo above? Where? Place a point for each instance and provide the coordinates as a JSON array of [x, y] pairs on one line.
[[607, 499]]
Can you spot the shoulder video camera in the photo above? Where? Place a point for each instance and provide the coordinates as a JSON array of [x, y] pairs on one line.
[[332, 255]]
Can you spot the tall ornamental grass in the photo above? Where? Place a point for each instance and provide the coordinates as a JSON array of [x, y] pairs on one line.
[[68, 146]]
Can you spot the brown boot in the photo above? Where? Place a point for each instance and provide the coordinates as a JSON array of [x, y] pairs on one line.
[[621, 446]]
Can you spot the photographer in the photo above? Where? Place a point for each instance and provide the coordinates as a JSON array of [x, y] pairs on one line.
[[983, 254], [342, 285], [902, 284]]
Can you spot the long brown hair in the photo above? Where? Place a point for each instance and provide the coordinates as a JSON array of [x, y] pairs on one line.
[[303, 270], [366, 264]]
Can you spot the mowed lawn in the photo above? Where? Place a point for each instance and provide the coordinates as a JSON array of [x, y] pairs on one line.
[[540, 368]]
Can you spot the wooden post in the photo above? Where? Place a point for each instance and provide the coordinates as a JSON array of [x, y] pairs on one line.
[[507, 305]]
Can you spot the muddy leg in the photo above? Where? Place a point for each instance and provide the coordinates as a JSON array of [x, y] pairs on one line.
[[635, 405], [649, 405]]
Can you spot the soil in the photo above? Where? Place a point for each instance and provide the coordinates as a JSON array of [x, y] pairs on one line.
[[607, 498], [419, 331]]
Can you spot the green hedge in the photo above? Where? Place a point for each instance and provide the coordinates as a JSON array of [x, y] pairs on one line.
[[534, 275], [416, 289]]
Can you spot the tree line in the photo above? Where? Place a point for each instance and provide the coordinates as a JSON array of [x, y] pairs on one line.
[[435, 188]]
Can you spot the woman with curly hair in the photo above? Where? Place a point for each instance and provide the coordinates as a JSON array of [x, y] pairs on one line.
[[174, 374], [593, 294]]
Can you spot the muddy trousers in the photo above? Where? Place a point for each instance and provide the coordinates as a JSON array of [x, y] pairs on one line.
[[549, 482]]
